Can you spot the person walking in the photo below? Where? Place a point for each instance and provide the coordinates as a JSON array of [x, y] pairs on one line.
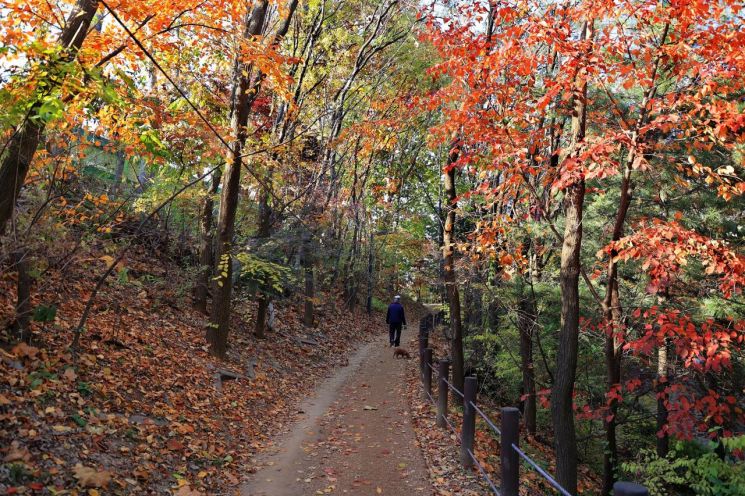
[[396, 319]]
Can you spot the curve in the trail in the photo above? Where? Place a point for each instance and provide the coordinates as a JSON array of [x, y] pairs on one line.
[[355, 437]]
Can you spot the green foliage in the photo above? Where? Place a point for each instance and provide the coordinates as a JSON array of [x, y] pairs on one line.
[[690, 469], [38, 377], [379, 305], [84, 389], [264, 276], [45, 313]]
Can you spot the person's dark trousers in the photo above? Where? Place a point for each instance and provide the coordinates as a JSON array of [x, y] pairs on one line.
[[394, 333]]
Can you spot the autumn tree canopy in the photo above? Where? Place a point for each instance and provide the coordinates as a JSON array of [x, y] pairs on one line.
[[564, 179]]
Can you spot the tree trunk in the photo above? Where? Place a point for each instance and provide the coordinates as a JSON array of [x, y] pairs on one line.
[[663, 441], [309, 283], [206, 252], [350, 279], [611, 304], [121, 162], [23, 143], [566, 357], [260, 330], [263, 232], [370, 264], [562, 411], [448, 250], [23, 302], [526, 321], [217, 334], [265, 209], [614, 339]]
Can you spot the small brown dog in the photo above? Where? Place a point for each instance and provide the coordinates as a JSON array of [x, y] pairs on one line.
[[400, 352]]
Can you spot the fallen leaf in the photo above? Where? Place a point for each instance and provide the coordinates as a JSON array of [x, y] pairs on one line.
[[90, 477], [174, 445], [186, 490], [70, 375], [23, 350], [17, 454]]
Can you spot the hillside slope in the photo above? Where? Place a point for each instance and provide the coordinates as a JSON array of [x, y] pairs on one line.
[[142, 410]]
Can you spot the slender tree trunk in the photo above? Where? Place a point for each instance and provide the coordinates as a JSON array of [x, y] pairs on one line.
[[448, 250], [23, 301], [206, 260], [217, 334], [611, 304], [25, 140], [309, 282], [265, 209], [263, 232], [350, 276], [663, 441], [121, 162], [526, 321], [370, 264], [562, 411], [614, 338]]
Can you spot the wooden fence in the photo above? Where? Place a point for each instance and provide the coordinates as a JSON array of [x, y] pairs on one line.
[[508, 431]]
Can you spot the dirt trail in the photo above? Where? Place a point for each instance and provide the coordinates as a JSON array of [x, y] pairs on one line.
[[355, 436]]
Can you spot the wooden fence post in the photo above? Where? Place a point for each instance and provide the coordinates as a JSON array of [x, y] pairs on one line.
[[443, 370], [427, 377], [468, 430], [509, 458], [629, 489]]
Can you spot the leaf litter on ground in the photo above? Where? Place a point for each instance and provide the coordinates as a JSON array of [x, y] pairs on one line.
[[139, 412]]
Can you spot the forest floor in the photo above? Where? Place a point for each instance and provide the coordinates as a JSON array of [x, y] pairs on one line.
[[323, 410], [141, 411]]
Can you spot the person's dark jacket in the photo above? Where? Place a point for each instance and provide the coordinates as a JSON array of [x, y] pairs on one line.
[[395, 314]]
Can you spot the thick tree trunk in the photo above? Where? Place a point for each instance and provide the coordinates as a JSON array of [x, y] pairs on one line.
[[562, 411], [23, 143], [206, 252], [448, 250], [566, 356], [217, 334], [260, 329]]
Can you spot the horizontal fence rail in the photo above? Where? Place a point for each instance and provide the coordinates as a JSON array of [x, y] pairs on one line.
[[508, 432]]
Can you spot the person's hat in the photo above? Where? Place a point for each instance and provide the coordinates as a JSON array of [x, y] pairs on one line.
[[397, 297]]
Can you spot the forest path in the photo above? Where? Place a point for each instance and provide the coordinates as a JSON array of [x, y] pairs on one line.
[[355, 436]]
